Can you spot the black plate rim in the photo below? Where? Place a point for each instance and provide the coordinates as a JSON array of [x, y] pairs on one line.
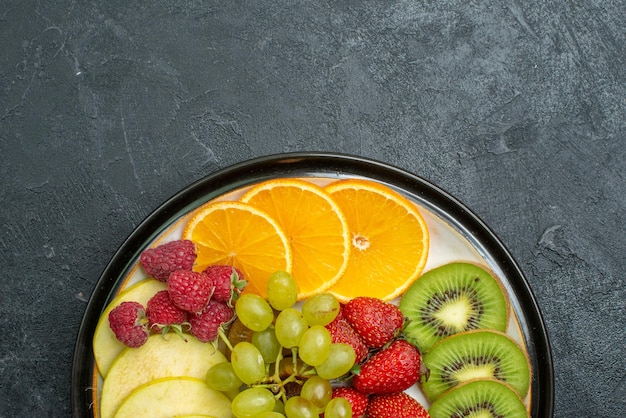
[[285, 164]]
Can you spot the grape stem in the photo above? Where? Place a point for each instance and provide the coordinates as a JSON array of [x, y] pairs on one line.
[[224, 337], [279, 357], [276, 384], [294, 357]]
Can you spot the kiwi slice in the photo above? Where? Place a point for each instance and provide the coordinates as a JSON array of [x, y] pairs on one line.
[[479, 354], [479, 398], [452, 298]]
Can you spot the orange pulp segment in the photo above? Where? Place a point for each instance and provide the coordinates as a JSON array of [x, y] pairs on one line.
[[240, 235], [389, 240], [315, 226]]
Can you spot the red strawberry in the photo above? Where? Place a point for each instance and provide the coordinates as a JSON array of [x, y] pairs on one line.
[[206, 325], [393, 369], [395, 405], [376, 321], [228, 282], [128, 323], [160, 261], [358, 401], [342, 332], [163, 315], [190, 290]]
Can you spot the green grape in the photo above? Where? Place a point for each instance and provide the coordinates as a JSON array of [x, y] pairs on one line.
[[321, 309], [267, 344], [338, 408], [317, 391], [248, 363], [290, 326], [298, 407], [315, 345], [254, 312], [222, 377], [270, 415], [282, 290], [252, 402], [279, 407], [339, 362]]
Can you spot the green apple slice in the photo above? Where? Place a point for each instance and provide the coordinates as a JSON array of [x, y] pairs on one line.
[[159, 357], [105, 346], [174, 396]]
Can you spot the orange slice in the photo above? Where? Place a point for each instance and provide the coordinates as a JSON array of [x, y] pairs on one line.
[[389, 240], [240, 235], [315, 226]]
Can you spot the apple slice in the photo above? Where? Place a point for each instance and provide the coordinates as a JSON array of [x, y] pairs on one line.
[[174, 396], [159, 357], [105, 346], [193, 416]]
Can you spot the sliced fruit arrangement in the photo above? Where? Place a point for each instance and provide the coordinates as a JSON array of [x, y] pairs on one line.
[[470, 355], [174, 397], [389, 237], [479, 398], [239, 235], [453, 298], [159, 357], [300, 300], [315, 226]]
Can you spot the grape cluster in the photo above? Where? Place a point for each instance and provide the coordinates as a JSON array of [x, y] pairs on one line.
[[286, 367]]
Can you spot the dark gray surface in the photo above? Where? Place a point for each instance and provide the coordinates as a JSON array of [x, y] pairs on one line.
[[516, 108]]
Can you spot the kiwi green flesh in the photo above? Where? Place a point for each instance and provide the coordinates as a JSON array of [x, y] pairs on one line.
[[481, 354], [481, 398], [452, 298]]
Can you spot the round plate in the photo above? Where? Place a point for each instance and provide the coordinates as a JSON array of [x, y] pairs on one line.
[[439, 205]]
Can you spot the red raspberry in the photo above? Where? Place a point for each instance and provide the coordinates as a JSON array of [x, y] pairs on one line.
[[358, 401], [228, 282], [190, 290], [128, 323], [206, 325], [160, 261], [163, 314], [342, 332]]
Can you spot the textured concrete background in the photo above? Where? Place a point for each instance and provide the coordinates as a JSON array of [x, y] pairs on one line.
[[518, 108]]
